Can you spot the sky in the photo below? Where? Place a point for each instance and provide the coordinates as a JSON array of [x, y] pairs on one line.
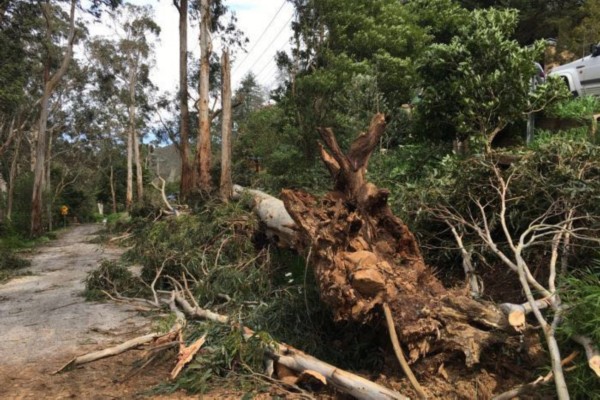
[[266, 23]]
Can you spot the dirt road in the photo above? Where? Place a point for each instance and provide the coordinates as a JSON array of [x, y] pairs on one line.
[[44, 321]]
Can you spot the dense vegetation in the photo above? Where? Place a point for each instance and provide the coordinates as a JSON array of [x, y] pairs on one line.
[[454, 81]]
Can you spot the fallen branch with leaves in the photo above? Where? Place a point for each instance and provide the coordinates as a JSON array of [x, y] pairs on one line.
[[280, 353]]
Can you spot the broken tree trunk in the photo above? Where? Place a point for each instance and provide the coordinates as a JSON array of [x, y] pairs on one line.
[[365, 257]]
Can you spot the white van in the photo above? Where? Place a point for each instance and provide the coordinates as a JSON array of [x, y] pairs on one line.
[[583, 75]]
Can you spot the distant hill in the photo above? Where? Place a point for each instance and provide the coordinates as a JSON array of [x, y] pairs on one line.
[[166, 161]]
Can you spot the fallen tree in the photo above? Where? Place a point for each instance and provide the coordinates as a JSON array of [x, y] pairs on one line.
[[365, 257], [366, 260]]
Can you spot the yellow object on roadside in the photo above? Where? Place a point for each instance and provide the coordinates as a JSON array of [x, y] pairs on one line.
[[64, 210]]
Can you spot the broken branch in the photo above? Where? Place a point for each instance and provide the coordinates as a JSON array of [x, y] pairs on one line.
[[591, 352]]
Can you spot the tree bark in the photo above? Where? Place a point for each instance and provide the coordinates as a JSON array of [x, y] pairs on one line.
[[187, 179], [203, 151], [139, 174], [129, 193], [132, 127], [364, 256], [280, 227], [50, 85], [113, 193], [12, 177], [48, 182], [226, 188]]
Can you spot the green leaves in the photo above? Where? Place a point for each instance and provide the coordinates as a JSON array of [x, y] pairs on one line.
[[481, 80]]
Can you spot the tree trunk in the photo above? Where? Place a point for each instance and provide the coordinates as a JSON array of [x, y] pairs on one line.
[[129, 193], [187, 179], [47, 181], [113, 194], [39, 170], [132, 125], [40, 150], [365, 257], [280, 227], [12, 177], [203, 151], [138, 167], [226, 183], [3, 206]]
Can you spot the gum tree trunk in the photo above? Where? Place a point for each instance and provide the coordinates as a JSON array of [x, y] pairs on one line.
[[203, 150], [51, 82], [226, 187], [187, 180]]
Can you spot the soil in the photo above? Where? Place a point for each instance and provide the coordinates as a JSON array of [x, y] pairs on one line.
[[44, 322]]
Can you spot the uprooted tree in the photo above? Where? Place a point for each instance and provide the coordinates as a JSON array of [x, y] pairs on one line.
[[365, 257], [366, 261]]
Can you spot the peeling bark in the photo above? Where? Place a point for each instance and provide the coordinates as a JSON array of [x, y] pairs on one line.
[[203, 147]]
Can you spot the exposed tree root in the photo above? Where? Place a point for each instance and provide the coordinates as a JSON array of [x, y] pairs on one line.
[[364, 256]]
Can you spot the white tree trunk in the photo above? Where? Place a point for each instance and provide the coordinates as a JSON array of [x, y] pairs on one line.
[[272, 212]]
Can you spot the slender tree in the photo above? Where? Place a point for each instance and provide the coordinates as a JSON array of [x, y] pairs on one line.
[[226, 186], [203, 150], [51, 81], [123, 68], [187, 181]]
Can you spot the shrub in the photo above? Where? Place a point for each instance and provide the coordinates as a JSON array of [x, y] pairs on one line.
[[581, 291], [112, 277], [10, 263]]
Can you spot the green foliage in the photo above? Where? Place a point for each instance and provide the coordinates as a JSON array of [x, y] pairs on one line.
[[270, 142], [557, 171], [10, 263], [112, 277], [580, 108], [581, 291], [539, 19], [583, 30], [478, 83], [227, 360], [189, 244], [236, 272]]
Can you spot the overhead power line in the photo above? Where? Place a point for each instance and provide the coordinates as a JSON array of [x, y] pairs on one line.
[[271, 61], [271, 44], [261, 35]]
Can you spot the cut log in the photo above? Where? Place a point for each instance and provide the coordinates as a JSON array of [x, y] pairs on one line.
[[516, 313], [591, 352]]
